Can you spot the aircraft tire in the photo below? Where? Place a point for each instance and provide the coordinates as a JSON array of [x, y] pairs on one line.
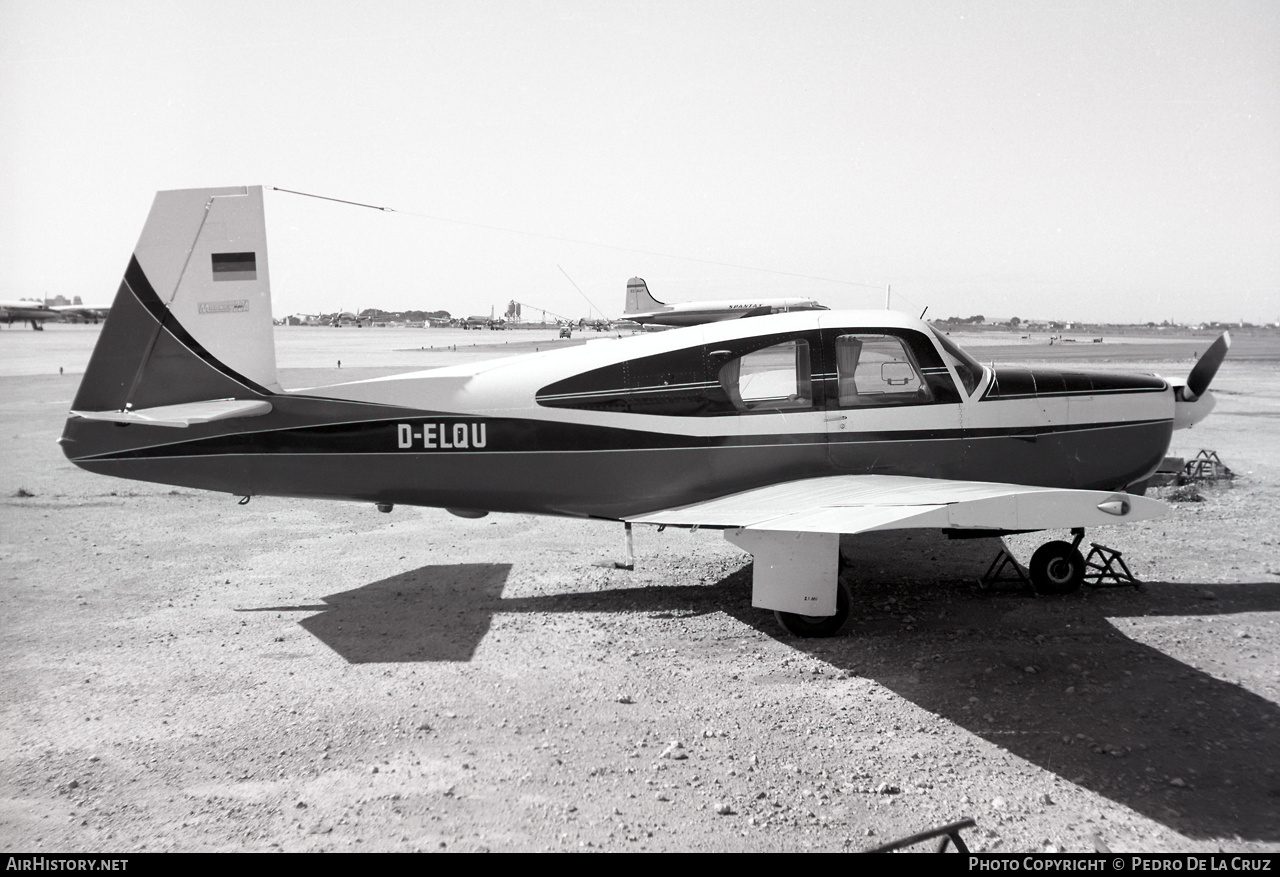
[[810, 626], [1057, 568]]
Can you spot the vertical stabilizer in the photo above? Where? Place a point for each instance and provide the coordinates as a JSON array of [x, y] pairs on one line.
[[205, 253], [638, 298], [191, 320]]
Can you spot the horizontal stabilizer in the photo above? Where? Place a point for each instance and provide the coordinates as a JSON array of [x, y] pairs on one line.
[[185, 414]]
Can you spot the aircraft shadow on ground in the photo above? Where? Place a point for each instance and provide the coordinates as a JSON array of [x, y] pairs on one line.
[[441, 613], [434, 613], [1115, 716], [1138, 726]]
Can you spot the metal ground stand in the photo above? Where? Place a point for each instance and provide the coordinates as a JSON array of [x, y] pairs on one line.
[[1103, 568], [1005, 570], [951, 832], [1100, 569], [1205, 466]]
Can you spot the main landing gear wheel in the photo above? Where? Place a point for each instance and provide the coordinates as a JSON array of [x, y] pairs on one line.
[[1057, 568], [817, 625]]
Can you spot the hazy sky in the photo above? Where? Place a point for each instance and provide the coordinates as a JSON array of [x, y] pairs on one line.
[[1084, 160]]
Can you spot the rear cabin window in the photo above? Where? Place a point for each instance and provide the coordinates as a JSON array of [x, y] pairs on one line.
[[703, 381], [877, 370], [775, 378]]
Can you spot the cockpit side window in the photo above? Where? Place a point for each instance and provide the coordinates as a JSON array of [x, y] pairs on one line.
[[774, 378], [877, 370], [967, 368]]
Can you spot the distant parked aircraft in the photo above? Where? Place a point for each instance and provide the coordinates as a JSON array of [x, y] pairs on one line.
[[646, 310], [88, 313], [33, 312]]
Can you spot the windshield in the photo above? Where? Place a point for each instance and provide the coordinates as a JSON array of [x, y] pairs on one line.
[[968, 368]]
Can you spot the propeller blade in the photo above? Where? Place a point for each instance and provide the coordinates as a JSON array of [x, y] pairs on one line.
[[1205, 368]]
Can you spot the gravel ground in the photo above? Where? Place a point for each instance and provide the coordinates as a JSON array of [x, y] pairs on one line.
[[183, 673]]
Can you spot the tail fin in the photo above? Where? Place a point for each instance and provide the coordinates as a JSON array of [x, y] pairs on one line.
[[191, 320], [638, 298]]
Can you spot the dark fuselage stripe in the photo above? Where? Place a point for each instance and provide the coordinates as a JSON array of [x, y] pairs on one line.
[[543, 437]]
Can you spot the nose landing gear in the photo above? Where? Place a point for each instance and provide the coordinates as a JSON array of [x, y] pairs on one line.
[[1058, 567]]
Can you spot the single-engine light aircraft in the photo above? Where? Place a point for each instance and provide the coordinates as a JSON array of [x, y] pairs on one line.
[[646, 311], [783, 431]]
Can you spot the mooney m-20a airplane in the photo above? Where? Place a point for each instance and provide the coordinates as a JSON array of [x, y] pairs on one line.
[[783, 431], [645, 310]]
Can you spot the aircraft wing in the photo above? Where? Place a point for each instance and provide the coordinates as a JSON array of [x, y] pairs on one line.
[[861, 503]]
